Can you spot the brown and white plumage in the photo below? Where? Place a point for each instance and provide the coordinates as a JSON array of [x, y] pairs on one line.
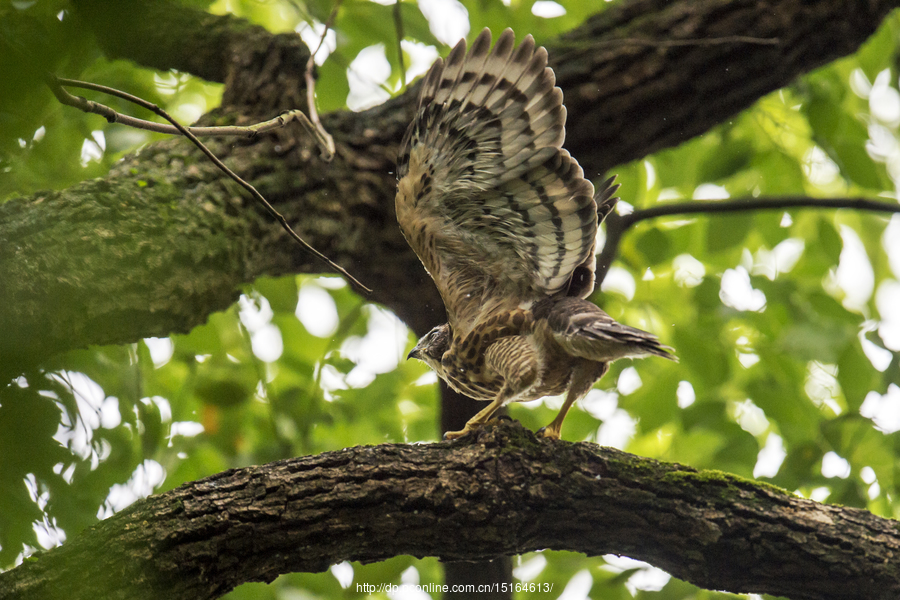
[[505, 222], [482, 174]]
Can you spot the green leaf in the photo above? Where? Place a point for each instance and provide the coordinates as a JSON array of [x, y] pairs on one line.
[[727, 231], [879, 52], [781, 173], [704, 356], [654, 245], [824, 116], [830, 241], [856, 375], [726, 160], [855, 162], [222, 392], [281, 292]]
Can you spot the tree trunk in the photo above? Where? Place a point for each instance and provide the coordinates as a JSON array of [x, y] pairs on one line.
[[456, 410], [499, 492]]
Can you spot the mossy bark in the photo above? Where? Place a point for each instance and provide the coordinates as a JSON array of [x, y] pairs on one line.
[[643, 75], [166, 239], [499, 492]]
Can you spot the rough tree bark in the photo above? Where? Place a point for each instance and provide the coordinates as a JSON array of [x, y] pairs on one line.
[[164, 240], [500, 492]]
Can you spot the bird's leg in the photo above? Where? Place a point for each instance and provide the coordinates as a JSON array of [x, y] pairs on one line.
[[482, 417], [554, 429], [584, 374]]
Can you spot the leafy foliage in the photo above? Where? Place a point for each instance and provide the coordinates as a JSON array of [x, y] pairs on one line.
[[782, 320]]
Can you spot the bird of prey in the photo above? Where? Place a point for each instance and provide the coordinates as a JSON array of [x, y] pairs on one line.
[[505, 223]]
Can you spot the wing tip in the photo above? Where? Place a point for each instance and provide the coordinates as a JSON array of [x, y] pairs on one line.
[[482, 43], [605, 198]]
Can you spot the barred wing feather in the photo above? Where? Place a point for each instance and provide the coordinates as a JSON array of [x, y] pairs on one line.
[[499, 213]]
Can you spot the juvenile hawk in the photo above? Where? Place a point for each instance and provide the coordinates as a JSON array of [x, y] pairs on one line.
[[504, 222]]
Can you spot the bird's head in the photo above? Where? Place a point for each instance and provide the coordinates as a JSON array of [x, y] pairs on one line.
[[432, 346]]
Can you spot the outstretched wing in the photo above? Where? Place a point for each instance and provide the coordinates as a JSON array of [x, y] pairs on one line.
[[581, 284], [500, 215]]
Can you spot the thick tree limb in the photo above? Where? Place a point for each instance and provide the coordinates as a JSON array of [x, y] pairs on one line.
[[500, 492], [164, 240], [323, 139], [632, 100], [168, 229], [168, 35]]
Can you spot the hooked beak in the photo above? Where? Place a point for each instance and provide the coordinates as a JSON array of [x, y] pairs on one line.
[[414, 353]]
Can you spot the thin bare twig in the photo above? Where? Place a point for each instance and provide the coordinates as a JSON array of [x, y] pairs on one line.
[[747, 204], [320, 132], [56, 85], [617, 225], [248, 131]]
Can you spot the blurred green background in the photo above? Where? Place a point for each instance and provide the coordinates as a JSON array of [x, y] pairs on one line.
[[787, 324]]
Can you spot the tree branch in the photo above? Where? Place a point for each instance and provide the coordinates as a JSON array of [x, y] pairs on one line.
[[317, 133], [500, 492], [663, 84], [325, 139], [168, 35], [711, 207], [617, 225], [112, 116], [623, 101]]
